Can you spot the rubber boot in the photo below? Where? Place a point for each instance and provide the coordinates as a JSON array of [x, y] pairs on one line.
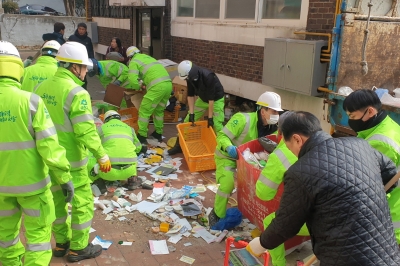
[[60, 250], [212, 218], [134, 183], [176, 149], [157, 136], [142, 139], [91, 251]]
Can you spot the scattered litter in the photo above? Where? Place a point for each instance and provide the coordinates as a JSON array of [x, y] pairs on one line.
[[185, 223], [105, 244], [187, 244], [123, 202], [203, 233], [246, 220], [164, 227], [196, 235], [186, 234], [174, 230], [251, 226], [171, 248], [91, 230], [115, 204], [136, 198], [158, 247], [108, 218], [187, 259], [190, 209], [108, 210], [221, 236], [175, 238], [149, 207], [125, 243], [155, 229], [195, 173], [122, 218]]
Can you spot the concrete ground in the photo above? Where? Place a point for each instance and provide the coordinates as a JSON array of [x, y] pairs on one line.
[[137, 227]]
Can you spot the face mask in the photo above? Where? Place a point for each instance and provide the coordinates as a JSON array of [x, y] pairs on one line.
[[359, 125], [273, 119]]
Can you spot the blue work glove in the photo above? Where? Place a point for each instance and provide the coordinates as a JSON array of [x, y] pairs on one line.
[[231, 150], [210, 122], [117, 82], [191, 118]]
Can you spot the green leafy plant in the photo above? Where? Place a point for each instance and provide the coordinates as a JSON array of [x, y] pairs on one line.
[[10, 7]]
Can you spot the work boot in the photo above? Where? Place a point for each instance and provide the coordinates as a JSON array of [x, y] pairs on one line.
[[91, 251], [212, 218], [143, 149], [142, 139], [134, 183], [176, 149], [101, 185], [60, 250], [157, 136]]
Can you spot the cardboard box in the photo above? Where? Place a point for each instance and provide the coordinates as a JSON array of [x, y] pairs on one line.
[[180, 89], [114, 94], [170, 66]]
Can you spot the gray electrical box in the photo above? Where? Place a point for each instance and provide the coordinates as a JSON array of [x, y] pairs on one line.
[[92, 31], [294, 65]]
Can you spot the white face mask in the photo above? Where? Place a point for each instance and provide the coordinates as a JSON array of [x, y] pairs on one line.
[[273, 119]]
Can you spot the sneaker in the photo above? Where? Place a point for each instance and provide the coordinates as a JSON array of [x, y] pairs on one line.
[[212, 219], [176, 149], [60, 250], [91, 251], [157, 136], [142, 139]]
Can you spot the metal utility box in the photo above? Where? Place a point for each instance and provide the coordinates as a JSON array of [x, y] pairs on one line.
[[92, 31], [294, 65]]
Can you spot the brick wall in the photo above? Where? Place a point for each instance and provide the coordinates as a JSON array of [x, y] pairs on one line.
[[320, 16], [234, 60], [106, 34], [167, 42]]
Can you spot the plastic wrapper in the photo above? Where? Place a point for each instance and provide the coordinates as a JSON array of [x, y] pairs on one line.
[[267, 144], [390, 100], [380, 92], [250, 158], [345, 90]]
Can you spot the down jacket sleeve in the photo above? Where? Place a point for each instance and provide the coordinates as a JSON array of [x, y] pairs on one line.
[[388, 168], [295, 207]]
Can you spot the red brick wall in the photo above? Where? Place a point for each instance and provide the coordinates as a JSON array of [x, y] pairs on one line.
[[234, 60], [320, 16], [167, 39], [106, 34]]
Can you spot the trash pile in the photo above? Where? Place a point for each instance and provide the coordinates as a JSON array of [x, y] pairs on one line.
[[259, 159]]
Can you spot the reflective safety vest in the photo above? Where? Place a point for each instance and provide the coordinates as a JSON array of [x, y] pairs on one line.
[[71, 111], [384, 137], [120, 142], [272, 175], [44, 68], [241, 128], [148, 69], [111, 70], [28, 143]]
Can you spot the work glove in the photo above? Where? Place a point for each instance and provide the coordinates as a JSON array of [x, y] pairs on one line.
[[210, 122], [28, 61], [117, 82], [68, 191], [105, 164], [231, 150], [191, 118], [255, 248]]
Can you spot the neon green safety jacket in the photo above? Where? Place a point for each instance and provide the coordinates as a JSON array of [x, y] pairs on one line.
[[272, 175], [44, 68], [29, 148], [111, 70], [148, 69], [120, 142], [241, 128], [70, 109]]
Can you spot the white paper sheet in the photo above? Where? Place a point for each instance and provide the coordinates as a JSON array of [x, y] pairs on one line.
[[175, 238], [209, 238], [125, 243], [91, 230], [158, 247], [149, 207], [184, 222]]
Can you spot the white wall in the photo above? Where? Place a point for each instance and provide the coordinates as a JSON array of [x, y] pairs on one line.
[[27, 30]]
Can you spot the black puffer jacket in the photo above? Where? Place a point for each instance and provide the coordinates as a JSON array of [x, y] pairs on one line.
[[336, 188], [85, 40]]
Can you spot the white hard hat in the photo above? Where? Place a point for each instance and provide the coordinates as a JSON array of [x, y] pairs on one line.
[[10, 62], [184, 68], [110, 115], [73, 52], [50, 48], [131, 51], [271, 100]]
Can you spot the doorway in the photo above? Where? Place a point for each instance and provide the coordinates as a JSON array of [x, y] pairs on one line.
[[149, 34]]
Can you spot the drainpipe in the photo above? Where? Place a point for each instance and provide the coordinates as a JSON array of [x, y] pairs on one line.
[[87, 11]]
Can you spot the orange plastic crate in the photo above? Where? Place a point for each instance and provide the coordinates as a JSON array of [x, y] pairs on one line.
[[198, 144], [129, 116]]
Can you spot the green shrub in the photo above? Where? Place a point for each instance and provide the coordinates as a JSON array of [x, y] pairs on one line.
[[10, 7]]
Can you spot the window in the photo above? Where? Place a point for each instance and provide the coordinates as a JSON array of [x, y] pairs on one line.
[[240, 9], [207, 8], [185, 8], [281, 9]]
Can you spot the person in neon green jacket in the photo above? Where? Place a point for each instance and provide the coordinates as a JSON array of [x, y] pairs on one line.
[[121, 144], [241, 128], [145, 72], [29, 151], [44, 68], [374, 125], [268, 183], [70, 109]]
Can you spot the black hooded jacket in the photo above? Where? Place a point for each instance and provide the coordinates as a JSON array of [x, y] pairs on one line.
[[205, 84], [85, 40], [55, 36], [336, 188]]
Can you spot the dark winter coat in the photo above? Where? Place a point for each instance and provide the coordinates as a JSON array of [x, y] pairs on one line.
[[336, 188], [55, 36], [205, 84], [85, 40]]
